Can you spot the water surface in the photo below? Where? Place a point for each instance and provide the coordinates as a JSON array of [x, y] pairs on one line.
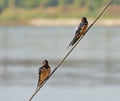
[[91, 72]]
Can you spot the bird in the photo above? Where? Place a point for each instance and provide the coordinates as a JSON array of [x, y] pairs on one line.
[[44, 72], [80, 31]]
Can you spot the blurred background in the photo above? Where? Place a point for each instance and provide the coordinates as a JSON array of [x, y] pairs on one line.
[[34, 30]]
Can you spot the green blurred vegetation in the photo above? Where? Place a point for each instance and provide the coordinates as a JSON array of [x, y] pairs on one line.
[[24, 10]]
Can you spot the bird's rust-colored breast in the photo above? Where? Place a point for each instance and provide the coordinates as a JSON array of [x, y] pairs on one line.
[[44, 74]]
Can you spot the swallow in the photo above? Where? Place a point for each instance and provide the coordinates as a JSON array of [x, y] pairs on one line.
[[80, 31], [44, 72]]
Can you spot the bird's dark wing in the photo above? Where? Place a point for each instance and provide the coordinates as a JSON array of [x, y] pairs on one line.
[[74, 40]]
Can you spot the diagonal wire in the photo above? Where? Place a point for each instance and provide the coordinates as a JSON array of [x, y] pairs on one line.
[[61, 62]]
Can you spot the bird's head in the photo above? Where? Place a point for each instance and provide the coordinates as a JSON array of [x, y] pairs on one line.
[[45, 62]]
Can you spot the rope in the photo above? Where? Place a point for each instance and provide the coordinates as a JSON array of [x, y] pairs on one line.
[[61, 62]]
